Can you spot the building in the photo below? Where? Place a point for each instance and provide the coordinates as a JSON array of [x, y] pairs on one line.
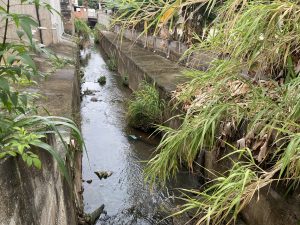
[[51, 26]]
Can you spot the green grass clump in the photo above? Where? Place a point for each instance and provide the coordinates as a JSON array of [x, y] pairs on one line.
[[82, 29], [112, 64], [102, 80], [97, 29], [125, 81], [145, 108]]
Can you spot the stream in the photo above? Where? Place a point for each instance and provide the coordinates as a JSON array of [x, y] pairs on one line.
[[111, 148]]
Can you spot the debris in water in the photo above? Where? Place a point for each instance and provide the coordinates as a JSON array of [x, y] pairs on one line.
[[103, 174], [94, 99], [102, 80], [133, 137], [88, 92], [89, 181], [91, 219]]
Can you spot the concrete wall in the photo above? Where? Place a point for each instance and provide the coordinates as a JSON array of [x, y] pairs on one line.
[[33, 197], [170, 49], [51, 23], [44, 197]]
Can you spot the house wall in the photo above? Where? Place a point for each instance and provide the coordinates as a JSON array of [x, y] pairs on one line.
[[51, 23]]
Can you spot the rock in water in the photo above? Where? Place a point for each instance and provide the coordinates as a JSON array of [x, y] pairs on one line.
[[94, 216], [103, 174], [94, 99]]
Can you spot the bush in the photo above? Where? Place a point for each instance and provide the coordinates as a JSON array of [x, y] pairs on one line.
[[145, 108]]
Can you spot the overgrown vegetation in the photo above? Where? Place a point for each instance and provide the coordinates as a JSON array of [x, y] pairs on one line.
[[21, 129], [82, 29], [112, 63], [145, 107], [98, 27], [246, 103], [169, 18]]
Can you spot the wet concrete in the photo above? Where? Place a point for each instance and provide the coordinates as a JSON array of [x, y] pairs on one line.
[[127, 199]]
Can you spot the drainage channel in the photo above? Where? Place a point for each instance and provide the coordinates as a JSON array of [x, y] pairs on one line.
[[113, 152]]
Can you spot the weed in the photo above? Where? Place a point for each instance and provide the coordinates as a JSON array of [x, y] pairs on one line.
[[125, 81], [82, 29], [102, 80], [145, 108], [97, 29], [112, 64]]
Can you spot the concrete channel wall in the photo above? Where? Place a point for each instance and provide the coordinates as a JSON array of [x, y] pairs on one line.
[[139, 64], [44, 197]]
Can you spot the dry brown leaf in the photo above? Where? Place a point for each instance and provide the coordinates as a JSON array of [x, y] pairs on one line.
[[238, 88], [257, 144], [297, 67], [262, 152], [241, 144]]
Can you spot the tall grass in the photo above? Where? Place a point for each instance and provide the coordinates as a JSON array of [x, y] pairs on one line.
[[145, 107], [247, 99], [82, 29]]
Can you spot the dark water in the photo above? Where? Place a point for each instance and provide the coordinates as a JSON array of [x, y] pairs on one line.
[[126, 198]]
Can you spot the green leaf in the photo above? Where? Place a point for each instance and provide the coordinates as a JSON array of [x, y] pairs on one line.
[[24, 99], [4, 84], [24, 157], [28, 61], [20, 33], [26, 22], [11, 59], [12, 153], [4, 98], [29, 161], [14, 98], [56, 156], [37, 163]]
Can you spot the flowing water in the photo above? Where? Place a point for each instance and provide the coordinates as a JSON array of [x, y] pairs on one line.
[[110, 148]]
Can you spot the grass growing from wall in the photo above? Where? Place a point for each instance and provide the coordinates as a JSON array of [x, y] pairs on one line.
[[112, 63], [145, 107], [246, 102]]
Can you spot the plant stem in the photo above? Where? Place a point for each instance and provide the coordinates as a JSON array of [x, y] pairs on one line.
[[39, 21], [6, 27]]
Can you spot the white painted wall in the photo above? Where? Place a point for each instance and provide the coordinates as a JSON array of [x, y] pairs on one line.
[[56, 20]]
